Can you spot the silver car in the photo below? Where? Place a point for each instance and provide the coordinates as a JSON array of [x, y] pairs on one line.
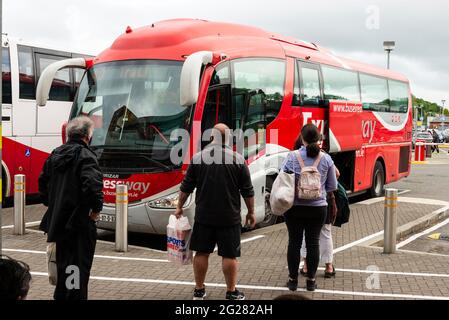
[[425, 136]]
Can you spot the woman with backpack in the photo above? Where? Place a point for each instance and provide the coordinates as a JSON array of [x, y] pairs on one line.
[[326, 245], [315, 179]]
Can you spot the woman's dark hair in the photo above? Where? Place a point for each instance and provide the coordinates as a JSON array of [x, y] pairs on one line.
[[15, 279], [311, 135], [298, 143]]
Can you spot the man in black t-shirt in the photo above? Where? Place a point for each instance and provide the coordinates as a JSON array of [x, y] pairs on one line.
[[220, 176]]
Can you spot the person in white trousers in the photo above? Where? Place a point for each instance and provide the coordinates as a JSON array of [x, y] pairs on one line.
[[326, 248]]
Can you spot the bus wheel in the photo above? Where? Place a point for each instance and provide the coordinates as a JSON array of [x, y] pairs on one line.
[[377, 186], [270, 219]]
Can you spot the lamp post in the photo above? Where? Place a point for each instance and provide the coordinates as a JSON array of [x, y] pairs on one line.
[[388, 47], [442, 108]]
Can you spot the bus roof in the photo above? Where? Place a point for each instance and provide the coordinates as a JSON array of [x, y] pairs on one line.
[[178, 38]]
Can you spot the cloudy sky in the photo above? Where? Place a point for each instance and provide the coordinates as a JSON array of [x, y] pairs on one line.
[[351, 28]]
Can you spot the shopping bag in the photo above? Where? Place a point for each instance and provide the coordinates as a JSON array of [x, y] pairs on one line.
[[51, 263], [178, 240], [282, 193]]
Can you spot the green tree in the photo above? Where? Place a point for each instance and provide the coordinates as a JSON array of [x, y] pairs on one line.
[[430, 109]]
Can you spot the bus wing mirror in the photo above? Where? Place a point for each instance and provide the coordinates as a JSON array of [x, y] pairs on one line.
[[47, 76], [191, 75], [64, 132]]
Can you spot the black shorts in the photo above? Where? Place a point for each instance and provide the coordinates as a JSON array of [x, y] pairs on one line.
[[205, 237]]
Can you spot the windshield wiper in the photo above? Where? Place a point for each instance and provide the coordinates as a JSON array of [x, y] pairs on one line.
[[157, 163]]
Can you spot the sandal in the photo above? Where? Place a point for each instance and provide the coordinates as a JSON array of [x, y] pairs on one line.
[[328, 275]]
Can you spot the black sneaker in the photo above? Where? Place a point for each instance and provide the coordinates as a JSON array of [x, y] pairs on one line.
[[292, 284], [235, 295], [199, 294], [311, 285]]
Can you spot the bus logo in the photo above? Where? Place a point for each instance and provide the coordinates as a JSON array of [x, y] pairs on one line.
[[368, 128]]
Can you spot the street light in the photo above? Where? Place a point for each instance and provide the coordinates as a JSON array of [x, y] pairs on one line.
[[442, 108], [388, 47]]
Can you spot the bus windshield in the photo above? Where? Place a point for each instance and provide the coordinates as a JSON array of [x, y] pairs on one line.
[[135, 107]]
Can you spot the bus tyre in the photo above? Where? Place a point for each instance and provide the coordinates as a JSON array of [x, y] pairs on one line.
[[270, 219], [377, 186]]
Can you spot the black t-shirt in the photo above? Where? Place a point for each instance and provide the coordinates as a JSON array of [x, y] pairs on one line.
[[220, 176]]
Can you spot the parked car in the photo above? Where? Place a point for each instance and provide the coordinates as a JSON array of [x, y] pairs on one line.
[[426, 136]]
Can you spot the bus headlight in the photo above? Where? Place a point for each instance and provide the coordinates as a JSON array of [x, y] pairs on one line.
[[168, 202]]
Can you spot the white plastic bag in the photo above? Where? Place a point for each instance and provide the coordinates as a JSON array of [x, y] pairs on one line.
[[282, 193], [178, 240], [51, 263]]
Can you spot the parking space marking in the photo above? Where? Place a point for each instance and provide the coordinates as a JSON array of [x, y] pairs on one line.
[[95, 256], [407, 200], [28, 224], [268, 288], [354, 243], [411, 274], [425, 253], [252, 239], [416, 236]]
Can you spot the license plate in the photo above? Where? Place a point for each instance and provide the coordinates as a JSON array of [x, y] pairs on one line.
[[107, 217]]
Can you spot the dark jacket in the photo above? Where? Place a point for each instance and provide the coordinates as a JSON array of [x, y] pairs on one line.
[[70, 185], [219, 186]]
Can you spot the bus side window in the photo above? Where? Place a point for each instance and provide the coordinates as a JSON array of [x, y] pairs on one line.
[[310, 83], [6, 76], [374, 93], [27, 79], [340, 84], [61, 89], [258, 92]]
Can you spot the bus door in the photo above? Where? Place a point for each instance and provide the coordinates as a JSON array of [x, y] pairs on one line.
[[217, 109], [314, 108], [7, 93]]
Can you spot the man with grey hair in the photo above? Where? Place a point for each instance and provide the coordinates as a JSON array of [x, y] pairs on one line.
[[71, 185]]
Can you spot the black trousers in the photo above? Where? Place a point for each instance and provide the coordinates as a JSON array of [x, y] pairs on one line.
[[74, 257], [308, 220]]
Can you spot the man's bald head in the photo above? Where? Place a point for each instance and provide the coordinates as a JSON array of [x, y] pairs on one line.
[[223, 131]]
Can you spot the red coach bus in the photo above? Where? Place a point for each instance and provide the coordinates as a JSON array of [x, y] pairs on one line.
[[190, 74]]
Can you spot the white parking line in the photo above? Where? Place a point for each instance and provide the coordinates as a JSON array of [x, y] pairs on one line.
[[412, 274], [95, 256], [407, 200], [416, 236], [252, 239], [28, 224], [352, 244], [251, 287]]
